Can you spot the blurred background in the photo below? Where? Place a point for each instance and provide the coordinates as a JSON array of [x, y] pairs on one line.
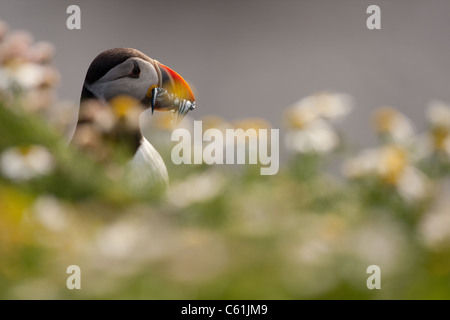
[[364, 127]]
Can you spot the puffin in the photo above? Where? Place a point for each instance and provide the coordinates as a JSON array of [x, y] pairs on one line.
[[119, 85]]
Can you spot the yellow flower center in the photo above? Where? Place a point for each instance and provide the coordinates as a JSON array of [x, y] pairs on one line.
[[392, 164], [439, 135], [122, 105], [294, 120], [384, 119], [25, 150]]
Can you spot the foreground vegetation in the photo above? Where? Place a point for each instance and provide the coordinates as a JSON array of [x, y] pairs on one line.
[[219, 232]]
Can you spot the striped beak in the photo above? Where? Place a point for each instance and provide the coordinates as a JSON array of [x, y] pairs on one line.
[[172, 94]]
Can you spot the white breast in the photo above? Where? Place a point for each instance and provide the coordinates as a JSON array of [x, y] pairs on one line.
[[147, 165]]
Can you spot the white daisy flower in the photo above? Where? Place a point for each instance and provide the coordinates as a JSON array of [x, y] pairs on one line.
[[361, 165], [26, 162], [393, 166], [438, 114], [207, 185], [413, 184], [437, 139], [317, 136], [27, 75], [327, 105], [435, 228], [394, 124], [308, 122], [333, 105], [50, 212]]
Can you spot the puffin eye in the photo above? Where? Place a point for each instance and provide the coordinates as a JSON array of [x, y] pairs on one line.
[[136, 71]]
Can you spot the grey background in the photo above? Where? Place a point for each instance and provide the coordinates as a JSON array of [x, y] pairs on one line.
[[255, 58]]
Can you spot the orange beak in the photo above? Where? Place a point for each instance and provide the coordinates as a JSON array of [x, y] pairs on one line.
[[172, 93], [174, 83]]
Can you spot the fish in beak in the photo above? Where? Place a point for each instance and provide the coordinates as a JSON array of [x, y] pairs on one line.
[[172, 94]]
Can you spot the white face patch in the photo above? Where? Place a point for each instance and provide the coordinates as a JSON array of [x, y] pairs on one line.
[[117, 81]]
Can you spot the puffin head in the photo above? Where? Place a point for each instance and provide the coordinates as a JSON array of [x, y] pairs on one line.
[[119, 84], [126, 71]]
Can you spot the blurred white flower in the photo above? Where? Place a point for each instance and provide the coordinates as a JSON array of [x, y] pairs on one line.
[[127, 111], [36, 100], [394, 125], [42, 52], [308, 122], [101, 115], [27, 75], [119, 239], [327, 105], [436, 140], [138, 236], [196, 188], [50, 212], [333, 105], [311, 252], [381, 242], [26, 162], [26, 65], [15, 47], [435, 228], [438, 137], [365, 163], [438, 114], [392, 165], [317, 136], [300, 115], [413, 184]]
